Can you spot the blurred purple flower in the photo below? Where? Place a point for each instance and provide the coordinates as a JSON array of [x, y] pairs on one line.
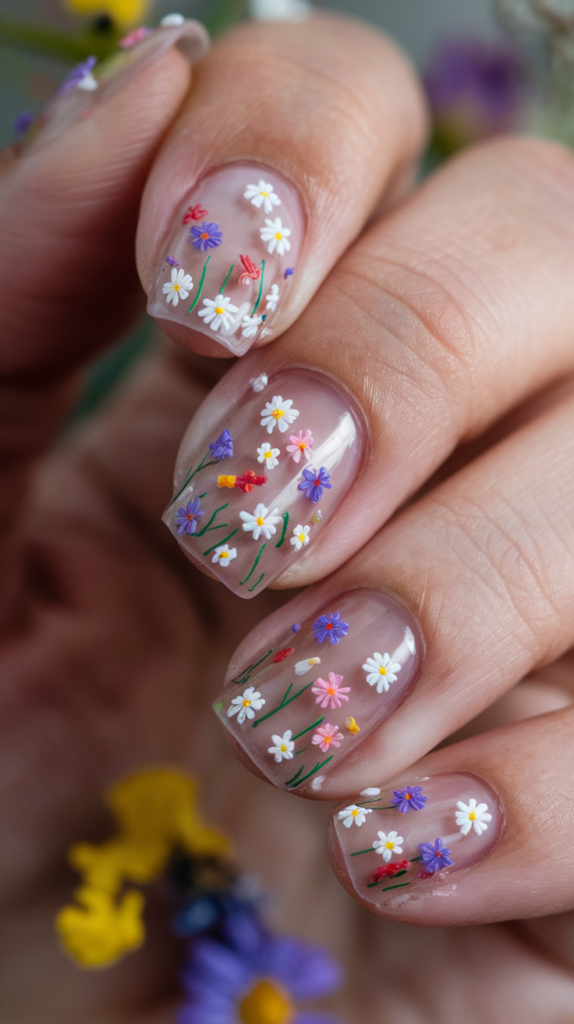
[[21, 123], [82, 73], [476, 89], [223, 447]]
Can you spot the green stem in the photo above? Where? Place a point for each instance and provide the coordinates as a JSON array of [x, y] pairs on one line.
[[308, 729], [209, 521], [254, 566], [201, 280], [256, 584], [222, 289], [285, 517], [251, 668], [220, 543], [260, 288], [398, 875], [313, 770], [296, 776], [283, 703], [357, 852], [389, 887]]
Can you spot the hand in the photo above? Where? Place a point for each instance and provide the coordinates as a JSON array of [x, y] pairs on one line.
[[113, 644]]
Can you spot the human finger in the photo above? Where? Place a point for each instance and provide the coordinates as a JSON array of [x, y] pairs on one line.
[[291, 137]]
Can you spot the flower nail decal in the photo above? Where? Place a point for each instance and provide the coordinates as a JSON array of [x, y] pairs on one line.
[[388, 845], [409, 799], [314, 482], [301, 444], [278, 413], [327, 736], [472, 815], [283, 746], [268, 455], [234, 249], [223, 555], [187, 516], [178, 287], [330, 627], [261, 521], [381, 671], [354, 815], [246, 705], [222, 448], [330, 693], [300, 537]]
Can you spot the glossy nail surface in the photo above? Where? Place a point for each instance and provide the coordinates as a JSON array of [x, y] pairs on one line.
[[254, 494], [91, 84], [230, 255], [411, 837], [305, 704]]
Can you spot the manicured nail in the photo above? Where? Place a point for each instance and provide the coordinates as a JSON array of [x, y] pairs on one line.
[[91, 83], [302, 706], [230, 255], [411, 837], [254, 494]]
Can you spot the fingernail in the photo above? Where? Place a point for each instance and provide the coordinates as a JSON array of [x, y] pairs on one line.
[[303, 706], [230, 255], [91, 83], [409, 838], [253, 495]]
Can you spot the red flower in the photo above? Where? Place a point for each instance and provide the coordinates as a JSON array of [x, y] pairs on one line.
[[424, 874], [251, 271], [249, 480], [390, 870], [195, 213], [281, 655]]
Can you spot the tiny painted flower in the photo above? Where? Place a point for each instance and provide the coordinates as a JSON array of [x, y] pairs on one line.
[[223, 447], [172, 262], [262, 195], [317, 517], [250, 325], [390, 870], [226, 480], [272, 298], [186, 517], [301, 444], [278, 412], [179, 287], [351, 725], [259, 383], [283, 746], [327, 736], [218, 312], [330, 693], [295, 627], [281, 655], [300, 537], [289, 272], [387, 844], [80, 77], [261, 521], [409, 799], [194, 213], [314, 482], [268, 455], [435, 856], [223, 555], [248, 480], [305, 666], [205, 236], [134, 37], [381, 671], [472, 815], [245, 705], [371, 791], [330, 626], [276, 236], [354, 815], [251, 272]]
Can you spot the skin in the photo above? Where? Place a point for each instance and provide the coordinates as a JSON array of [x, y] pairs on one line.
[[113, 646]]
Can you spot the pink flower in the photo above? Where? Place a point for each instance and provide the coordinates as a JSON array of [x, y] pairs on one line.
[[330, 694], [134, 37], [301, 444], [327, 736]]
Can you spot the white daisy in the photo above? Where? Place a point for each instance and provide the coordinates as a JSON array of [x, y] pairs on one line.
[[263, 195], [262, 521], [246, 705], [276, 235], [224, 554], [278, 412], [472, 815], [303, 666], [355, 814], [272, 298], [387, 845], [268, 455], [371, 791], [218, 312], [179, 287], [250, 325], [381, 671], [283, 746], [300, 537], [259, 383]]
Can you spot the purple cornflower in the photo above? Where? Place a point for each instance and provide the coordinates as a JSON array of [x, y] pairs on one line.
[[260, 978], [313, 483], [436, 857], [21, 123], [223, 447], [81, 75], [208, 236], [409, 799], [171, 261], [295, 627], [186, 517], [289, 272], [330, 626]]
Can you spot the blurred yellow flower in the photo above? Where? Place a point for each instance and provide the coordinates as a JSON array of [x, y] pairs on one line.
[[126, 12], [96, 931]]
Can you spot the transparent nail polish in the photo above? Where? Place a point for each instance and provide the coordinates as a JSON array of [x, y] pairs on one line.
[[253, 495], [230, 255], [411, 836], [305, 704], [91, 84]]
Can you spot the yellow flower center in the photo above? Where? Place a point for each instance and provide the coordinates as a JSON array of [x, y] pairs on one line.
[[301, 536], [278, 235], [301, 446], [355, 812], [223, 554], [260, 521], [220, 309], [176, 287], [266, 1004], [283, 747], [327, 739], [331, 690], [268, 455], [382, 671], [277, 414], [264, 193], [389, 846], [472, 816], [246, 703]]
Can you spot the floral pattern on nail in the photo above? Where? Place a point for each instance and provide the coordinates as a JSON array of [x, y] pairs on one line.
[[327, 736], [409, 799], [472, 815], [314, 482], [262, 195], [301, 444], [354, 815], [330, 627], [272, 298], [329, 692], [381, 671], [388, 844], [218, 312], [245, 705], [300, 537], [276, 236], [205, 236], [187, 516], [223, 554], [302, 667], [435, 856], [222, 448], [268, 455], [260, 521], [279, 412], [283, 746], [178, 287]]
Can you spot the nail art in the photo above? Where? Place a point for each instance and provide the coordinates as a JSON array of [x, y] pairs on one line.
[[303, 705], [246, 494], [230, 255], [90, 83], [415, 836]]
